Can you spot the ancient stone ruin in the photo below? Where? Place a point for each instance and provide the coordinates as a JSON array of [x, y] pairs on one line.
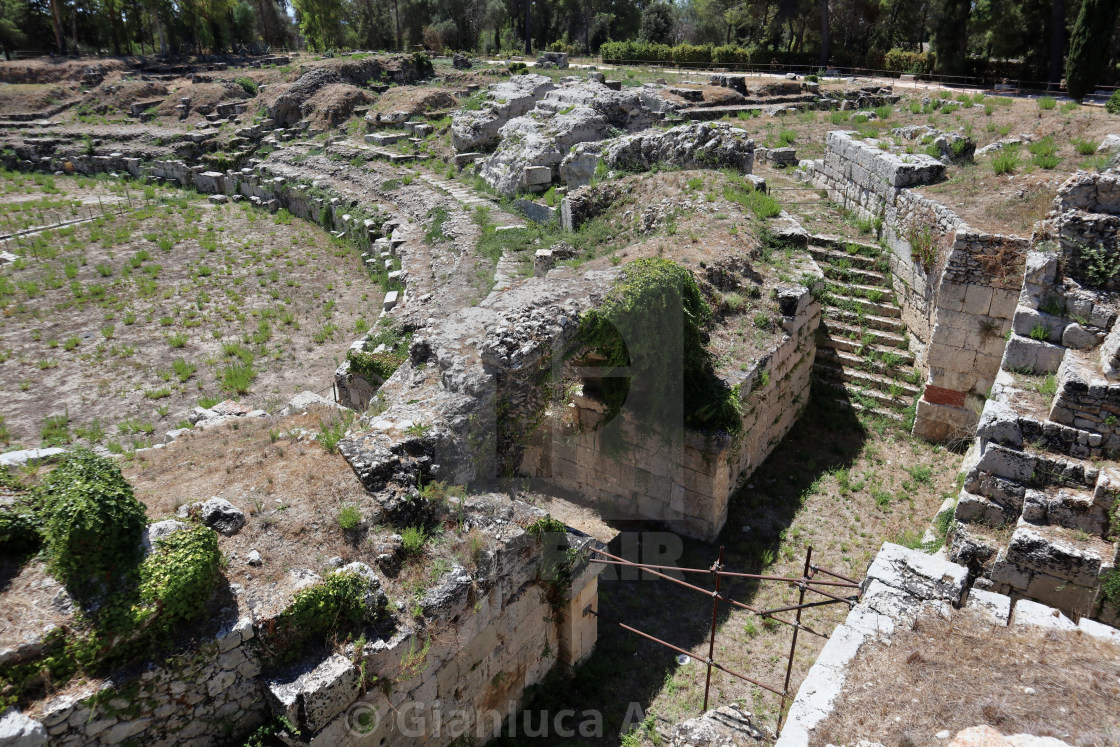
[[438, 355]]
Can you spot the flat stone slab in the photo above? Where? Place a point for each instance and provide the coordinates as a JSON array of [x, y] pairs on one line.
[[1027, 612], [922, 576], [22, 457]]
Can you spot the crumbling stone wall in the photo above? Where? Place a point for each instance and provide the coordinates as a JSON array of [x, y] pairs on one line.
[[1043, 462], [956, 286], [482, 637], [460, 669], [191, 699], [685, 482]]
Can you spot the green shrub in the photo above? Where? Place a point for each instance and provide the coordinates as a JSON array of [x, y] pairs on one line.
[[1085, 147], [1006, 161], [1110, 589], [414, 539], [180, 574], [248, 84], [21, 530], [1112, 106], [349, 516], [375, 366], [335, 607], [636, 51], [1046, 103], [692, 54], [91, 519], [515, 68], [423, 64], [732, 55], [902, 61]]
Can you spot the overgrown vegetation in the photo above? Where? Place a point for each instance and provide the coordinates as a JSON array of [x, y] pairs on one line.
[[653, 321]]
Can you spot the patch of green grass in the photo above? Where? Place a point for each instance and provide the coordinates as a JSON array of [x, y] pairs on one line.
[[349, 516], [1006, 161], [1046, 103], [236, 378], [1085, 147], [55, 430]]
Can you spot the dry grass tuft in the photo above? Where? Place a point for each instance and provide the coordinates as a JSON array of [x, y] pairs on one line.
[[953, 674]]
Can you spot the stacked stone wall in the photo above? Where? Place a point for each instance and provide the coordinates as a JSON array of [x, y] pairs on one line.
[[685, 481], [190, 700], [956, 286], [1037, 515]]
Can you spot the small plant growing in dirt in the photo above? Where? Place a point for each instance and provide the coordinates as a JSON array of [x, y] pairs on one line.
[[1085, 147], [349, 517], [333, 429], [1102, 266], [413, 540], [1006, 161]]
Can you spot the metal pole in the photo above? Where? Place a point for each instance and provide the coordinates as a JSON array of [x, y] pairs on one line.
[[793, 641], [716, 568]]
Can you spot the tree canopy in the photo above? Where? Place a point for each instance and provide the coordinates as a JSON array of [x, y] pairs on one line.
[[1028, 40]]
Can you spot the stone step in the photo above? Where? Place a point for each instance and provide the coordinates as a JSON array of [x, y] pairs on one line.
[[879, 398], [878, 293], [874, 336], [884, 323], [904, 358], [854, 275], [842, 244], [878, 309], [835, 256], [855, 362], [870, 409], [864, 379]]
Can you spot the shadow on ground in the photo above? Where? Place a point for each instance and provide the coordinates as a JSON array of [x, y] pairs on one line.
[[626, 669]]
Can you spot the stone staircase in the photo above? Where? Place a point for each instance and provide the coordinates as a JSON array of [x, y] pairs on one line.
[[863, 352]]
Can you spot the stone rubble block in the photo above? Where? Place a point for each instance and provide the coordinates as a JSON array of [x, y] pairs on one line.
[[996, 607], [1029, 549], [1032, 356], [924, 577], [1029, 612], [479, 130]]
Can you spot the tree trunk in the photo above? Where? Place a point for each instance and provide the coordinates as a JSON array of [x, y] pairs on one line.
[[1057, 41], [528, 28], [826, 34], [397, 16], [56, 18]]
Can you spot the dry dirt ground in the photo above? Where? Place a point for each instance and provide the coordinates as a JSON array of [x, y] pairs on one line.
[[115, 328], [953, 674], [1006, 203], [837, 483]]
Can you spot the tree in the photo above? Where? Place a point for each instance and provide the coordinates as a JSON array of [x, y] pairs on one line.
[[826, 34], [56, 19], [1089, 46], [950, 37], [12, 13], [320, 22], [658, 23]]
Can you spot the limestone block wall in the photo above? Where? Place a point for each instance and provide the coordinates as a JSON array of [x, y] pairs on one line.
[[464, 663], [460, 672], [975, 304], [1037, 516], [956, 286], [683, 481], [192, 699]]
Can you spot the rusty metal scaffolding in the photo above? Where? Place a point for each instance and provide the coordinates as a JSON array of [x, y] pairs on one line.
[[806, 582]]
